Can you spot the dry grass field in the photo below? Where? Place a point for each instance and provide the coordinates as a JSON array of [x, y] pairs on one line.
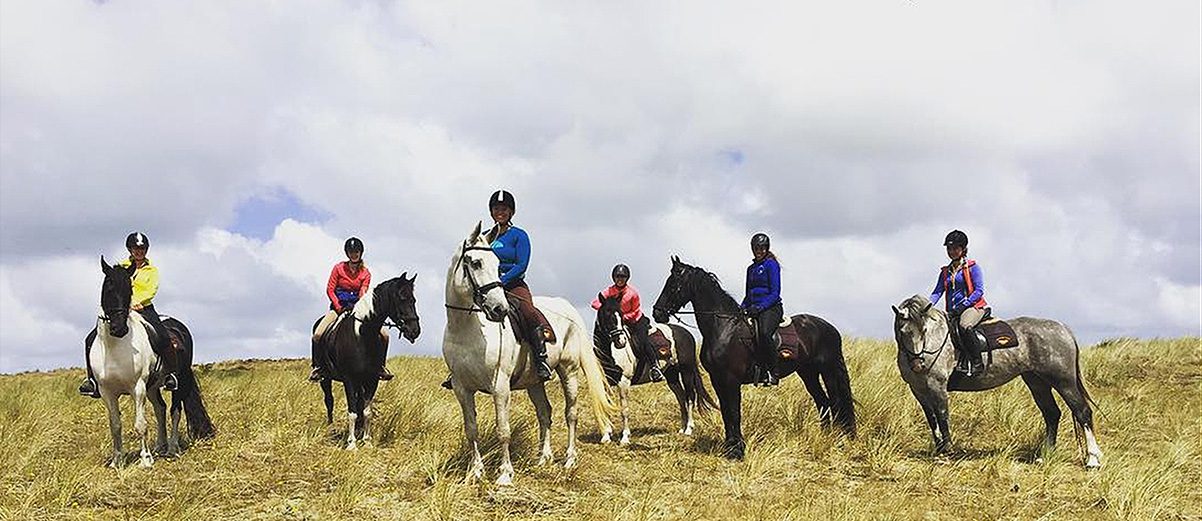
[[275, 458]]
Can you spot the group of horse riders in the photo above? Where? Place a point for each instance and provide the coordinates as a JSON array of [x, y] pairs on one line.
[[960, 283]]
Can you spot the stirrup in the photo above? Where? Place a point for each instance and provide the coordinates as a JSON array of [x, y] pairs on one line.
[[170, 382], [89, 388], [542, 369], [384, 375], [316, 375], [655, 374]]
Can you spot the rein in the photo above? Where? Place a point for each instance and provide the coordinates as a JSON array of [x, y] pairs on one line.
[[478, 291], [912, 356]]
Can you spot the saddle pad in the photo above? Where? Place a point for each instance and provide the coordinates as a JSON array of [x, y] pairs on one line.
[[789, 347], [660, 345], [998, 334]]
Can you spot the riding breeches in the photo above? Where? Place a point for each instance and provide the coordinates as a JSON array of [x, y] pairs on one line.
[[766, 324], [640, 331], [518, 293]]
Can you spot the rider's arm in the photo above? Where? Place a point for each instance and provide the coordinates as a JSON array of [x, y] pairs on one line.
[[773, 282], [331, 285], [978, 285], [366, 282], [631, 304], [522, 244], [147, 285]]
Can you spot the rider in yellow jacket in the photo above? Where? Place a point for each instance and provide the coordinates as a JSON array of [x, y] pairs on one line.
[[145, 286]]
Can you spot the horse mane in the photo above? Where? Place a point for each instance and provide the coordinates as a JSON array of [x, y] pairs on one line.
[[709, 279], [915, 304]]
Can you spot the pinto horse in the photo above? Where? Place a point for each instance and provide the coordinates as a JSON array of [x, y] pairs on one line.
[[354, 350], [727, 352], [612, 340], [123, 363]]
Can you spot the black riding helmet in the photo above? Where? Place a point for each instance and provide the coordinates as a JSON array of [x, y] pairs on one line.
[[353, 245], [956, 238], [760, 240], [136, 240], [621, 270], [503, 198]]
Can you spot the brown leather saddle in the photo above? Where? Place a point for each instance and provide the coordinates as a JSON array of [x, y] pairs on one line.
[[660, 344], [997, 333], [522, 323]]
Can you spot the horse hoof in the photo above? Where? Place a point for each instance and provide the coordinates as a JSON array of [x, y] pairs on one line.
[[570, 461], [1093, 463], [352, 446], [504, 480], [544, 459], [146, 461], [624, 441], [605, 438]]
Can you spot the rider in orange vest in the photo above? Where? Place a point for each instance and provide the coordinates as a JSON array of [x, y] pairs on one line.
[[962, 285]]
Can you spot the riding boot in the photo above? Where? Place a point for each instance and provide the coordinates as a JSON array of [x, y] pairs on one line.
[[384, 375], [170, 365], [976, 365], [538, 341], [89, 387]]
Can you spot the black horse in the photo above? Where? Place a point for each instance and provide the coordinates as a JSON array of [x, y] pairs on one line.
[[727, 352], [354, 350]]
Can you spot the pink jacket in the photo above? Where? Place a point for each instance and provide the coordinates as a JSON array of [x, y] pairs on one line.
[[629, 305], [342, 280]]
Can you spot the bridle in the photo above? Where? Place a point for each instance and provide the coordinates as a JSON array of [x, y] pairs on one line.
[[478, 291], [673, 314], [911, 356]]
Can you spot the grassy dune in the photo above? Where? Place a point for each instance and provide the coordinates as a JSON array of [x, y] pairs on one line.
[[275, 458]]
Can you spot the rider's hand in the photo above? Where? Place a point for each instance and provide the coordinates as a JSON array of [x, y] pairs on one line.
[[136, 307]]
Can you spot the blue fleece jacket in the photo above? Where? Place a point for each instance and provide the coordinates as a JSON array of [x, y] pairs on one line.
[[958, 297], [513, 249], [763, 285]]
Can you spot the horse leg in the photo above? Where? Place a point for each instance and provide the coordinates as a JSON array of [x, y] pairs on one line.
[[939, 407], [542, 408], [624, 398], [144, 455], [500, 400], [352, 409], [932, 423], [114, 410], [571, 390], [730, 399], [327, 388], [1074, 396], [160, 420], [1041, 391], [369, 396], [681, 388], [823, 402], [177, 402], [467, 404]]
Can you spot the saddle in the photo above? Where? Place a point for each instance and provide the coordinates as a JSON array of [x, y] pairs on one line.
[[522, 323], [788, 344], [997, 334], [327, 336], [660, 344]]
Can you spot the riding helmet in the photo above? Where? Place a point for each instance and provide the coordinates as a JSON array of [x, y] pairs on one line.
[[760, 240], [503, 198], [353, 245], [956, 238], [621, 270], [136, 240]]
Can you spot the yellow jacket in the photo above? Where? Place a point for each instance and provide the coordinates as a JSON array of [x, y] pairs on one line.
[[146, 282]]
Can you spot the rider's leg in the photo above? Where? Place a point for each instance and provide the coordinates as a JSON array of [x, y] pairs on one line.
[[769, 321], [539, 330], [968, 337], [318, 369], [383, 356], [162, 347], [642, 348], [89, 387]]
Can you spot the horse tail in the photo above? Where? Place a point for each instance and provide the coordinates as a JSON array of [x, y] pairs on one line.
[[598, 390], [701, 397], [200, 426], [1080, 379], [705, 402], [838, 387]]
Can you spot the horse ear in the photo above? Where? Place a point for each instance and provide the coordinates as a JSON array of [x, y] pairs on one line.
[[897, 312], [675, 259], [131, 269], [600, 297], [927, 307], [476, 231], [104, 266], [403, 274]]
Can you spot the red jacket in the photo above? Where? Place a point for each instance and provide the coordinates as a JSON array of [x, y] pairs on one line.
[[341, 281], [629, 305]]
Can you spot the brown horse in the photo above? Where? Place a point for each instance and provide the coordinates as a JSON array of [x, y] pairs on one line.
[[727, 352]]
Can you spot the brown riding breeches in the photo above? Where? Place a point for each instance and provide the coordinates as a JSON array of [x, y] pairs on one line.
[[518, 294]]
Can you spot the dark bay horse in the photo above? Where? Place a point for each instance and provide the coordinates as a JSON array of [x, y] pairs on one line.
[[354, 350], [727, 352], [612, 343]]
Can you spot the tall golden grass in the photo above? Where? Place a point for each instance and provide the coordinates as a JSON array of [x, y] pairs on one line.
[[275, 458]]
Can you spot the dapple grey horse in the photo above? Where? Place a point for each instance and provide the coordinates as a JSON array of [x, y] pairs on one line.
[[1046, 358]]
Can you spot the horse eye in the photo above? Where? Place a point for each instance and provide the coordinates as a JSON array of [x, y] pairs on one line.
[[477, 264]]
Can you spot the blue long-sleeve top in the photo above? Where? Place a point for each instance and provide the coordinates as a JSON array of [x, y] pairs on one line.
[[953, 283], [763, 285], [513, 249]]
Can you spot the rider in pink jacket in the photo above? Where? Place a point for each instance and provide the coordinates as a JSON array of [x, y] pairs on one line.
[[632, 316]]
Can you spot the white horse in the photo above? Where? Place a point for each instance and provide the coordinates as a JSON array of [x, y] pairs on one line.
[[124, 364], [484, 355], [680, 370]]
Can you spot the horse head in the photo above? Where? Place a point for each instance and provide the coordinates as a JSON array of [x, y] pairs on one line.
[[402, 306], [475, 277], [677, 291], [116, 292], [912, 322], [609, 318]]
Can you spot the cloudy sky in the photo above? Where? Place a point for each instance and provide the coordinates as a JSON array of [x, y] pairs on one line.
[[249, 139]]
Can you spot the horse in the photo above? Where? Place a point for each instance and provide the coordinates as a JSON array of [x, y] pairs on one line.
[[484, 355], [123, 363], [727, 352], [354, 350], [612, 340], [1047, 357]]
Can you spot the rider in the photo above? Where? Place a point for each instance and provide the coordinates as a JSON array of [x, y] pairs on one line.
[[145, 285], [964, 285], [349, 281], [633, 317], [512, 247], [763, 303]]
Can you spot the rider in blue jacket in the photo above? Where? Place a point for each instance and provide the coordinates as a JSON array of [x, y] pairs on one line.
[[762, 302]]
